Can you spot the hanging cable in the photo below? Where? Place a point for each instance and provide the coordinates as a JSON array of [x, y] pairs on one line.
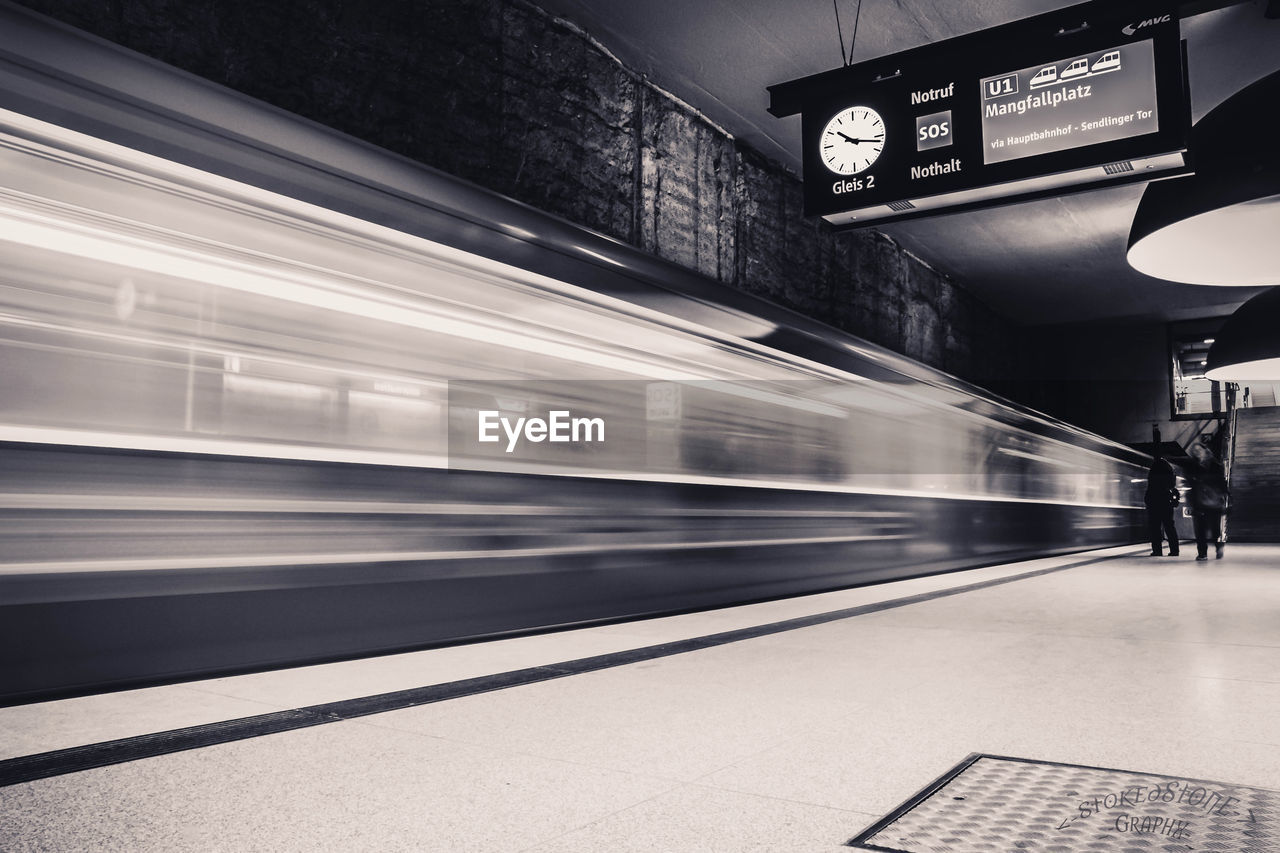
[[847, 59], [854, 38], [844, 59]]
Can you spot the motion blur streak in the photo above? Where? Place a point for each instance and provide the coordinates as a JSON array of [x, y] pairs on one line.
[[225, 413]]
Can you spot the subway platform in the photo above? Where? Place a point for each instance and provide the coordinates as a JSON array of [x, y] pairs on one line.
[[793, 725]]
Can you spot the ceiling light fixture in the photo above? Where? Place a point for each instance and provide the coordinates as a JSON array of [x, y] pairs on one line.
[[1248, 344], [1219, 225]]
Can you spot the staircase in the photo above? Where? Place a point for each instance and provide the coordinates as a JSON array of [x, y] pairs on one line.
[[1255, 476]]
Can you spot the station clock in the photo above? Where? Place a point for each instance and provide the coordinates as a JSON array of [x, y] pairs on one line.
[[852, 141]]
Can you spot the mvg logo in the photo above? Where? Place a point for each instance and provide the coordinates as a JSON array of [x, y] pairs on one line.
[[1130, 29]]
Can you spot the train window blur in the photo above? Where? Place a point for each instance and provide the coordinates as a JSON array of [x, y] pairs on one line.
[[142, 301]]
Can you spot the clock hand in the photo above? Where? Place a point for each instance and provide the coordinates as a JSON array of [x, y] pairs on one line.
[[851, 139]]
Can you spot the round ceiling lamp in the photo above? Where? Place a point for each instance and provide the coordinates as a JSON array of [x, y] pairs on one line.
[[1222, 224], [1247, 347]]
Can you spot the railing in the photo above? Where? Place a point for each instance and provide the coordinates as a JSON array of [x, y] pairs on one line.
[[1229, 442], [1228, 447], [1185, 432]]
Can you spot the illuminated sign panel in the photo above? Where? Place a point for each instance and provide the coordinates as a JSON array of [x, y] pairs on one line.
[[1071, 99], [1081, 100]]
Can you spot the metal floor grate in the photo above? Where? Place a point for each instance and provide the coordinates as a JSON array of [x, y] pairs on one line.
[[994, 804]]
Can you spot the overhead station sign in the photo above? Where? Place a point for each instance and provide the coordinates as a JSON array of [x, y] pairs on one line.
[[1075, 98], [1070, 104]]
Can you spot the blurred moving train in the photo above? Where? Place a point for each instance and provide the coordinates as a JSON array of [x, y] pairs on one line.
[[229, 439]]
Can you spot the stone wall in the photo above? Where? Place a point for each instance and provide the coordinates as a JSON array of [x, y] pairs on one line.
[[502, 94]]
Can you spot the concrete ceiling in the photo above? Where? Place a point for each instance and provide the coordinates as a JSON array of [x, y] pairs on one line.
[[1050, 261]]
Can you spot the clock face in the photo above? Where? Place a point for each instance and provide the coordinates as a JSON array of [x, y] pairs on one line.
[[852, 140]]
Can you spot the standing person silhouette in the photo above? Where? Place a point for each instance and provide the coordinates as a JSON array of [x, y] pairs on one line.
[[1209, 499], [1161, 497]]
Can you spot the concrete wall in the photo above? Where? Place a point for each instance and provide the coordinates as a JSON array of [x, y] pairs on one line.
[[1110, 379], [502, 94]]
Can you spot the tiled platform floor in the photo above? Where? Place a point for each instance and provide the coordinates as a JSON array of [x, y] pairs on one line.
[[787, 742]]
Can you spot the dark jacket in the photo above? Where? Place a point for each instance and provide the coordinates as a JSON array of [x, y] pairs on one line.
[[1209, 487], [1161, 483]]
